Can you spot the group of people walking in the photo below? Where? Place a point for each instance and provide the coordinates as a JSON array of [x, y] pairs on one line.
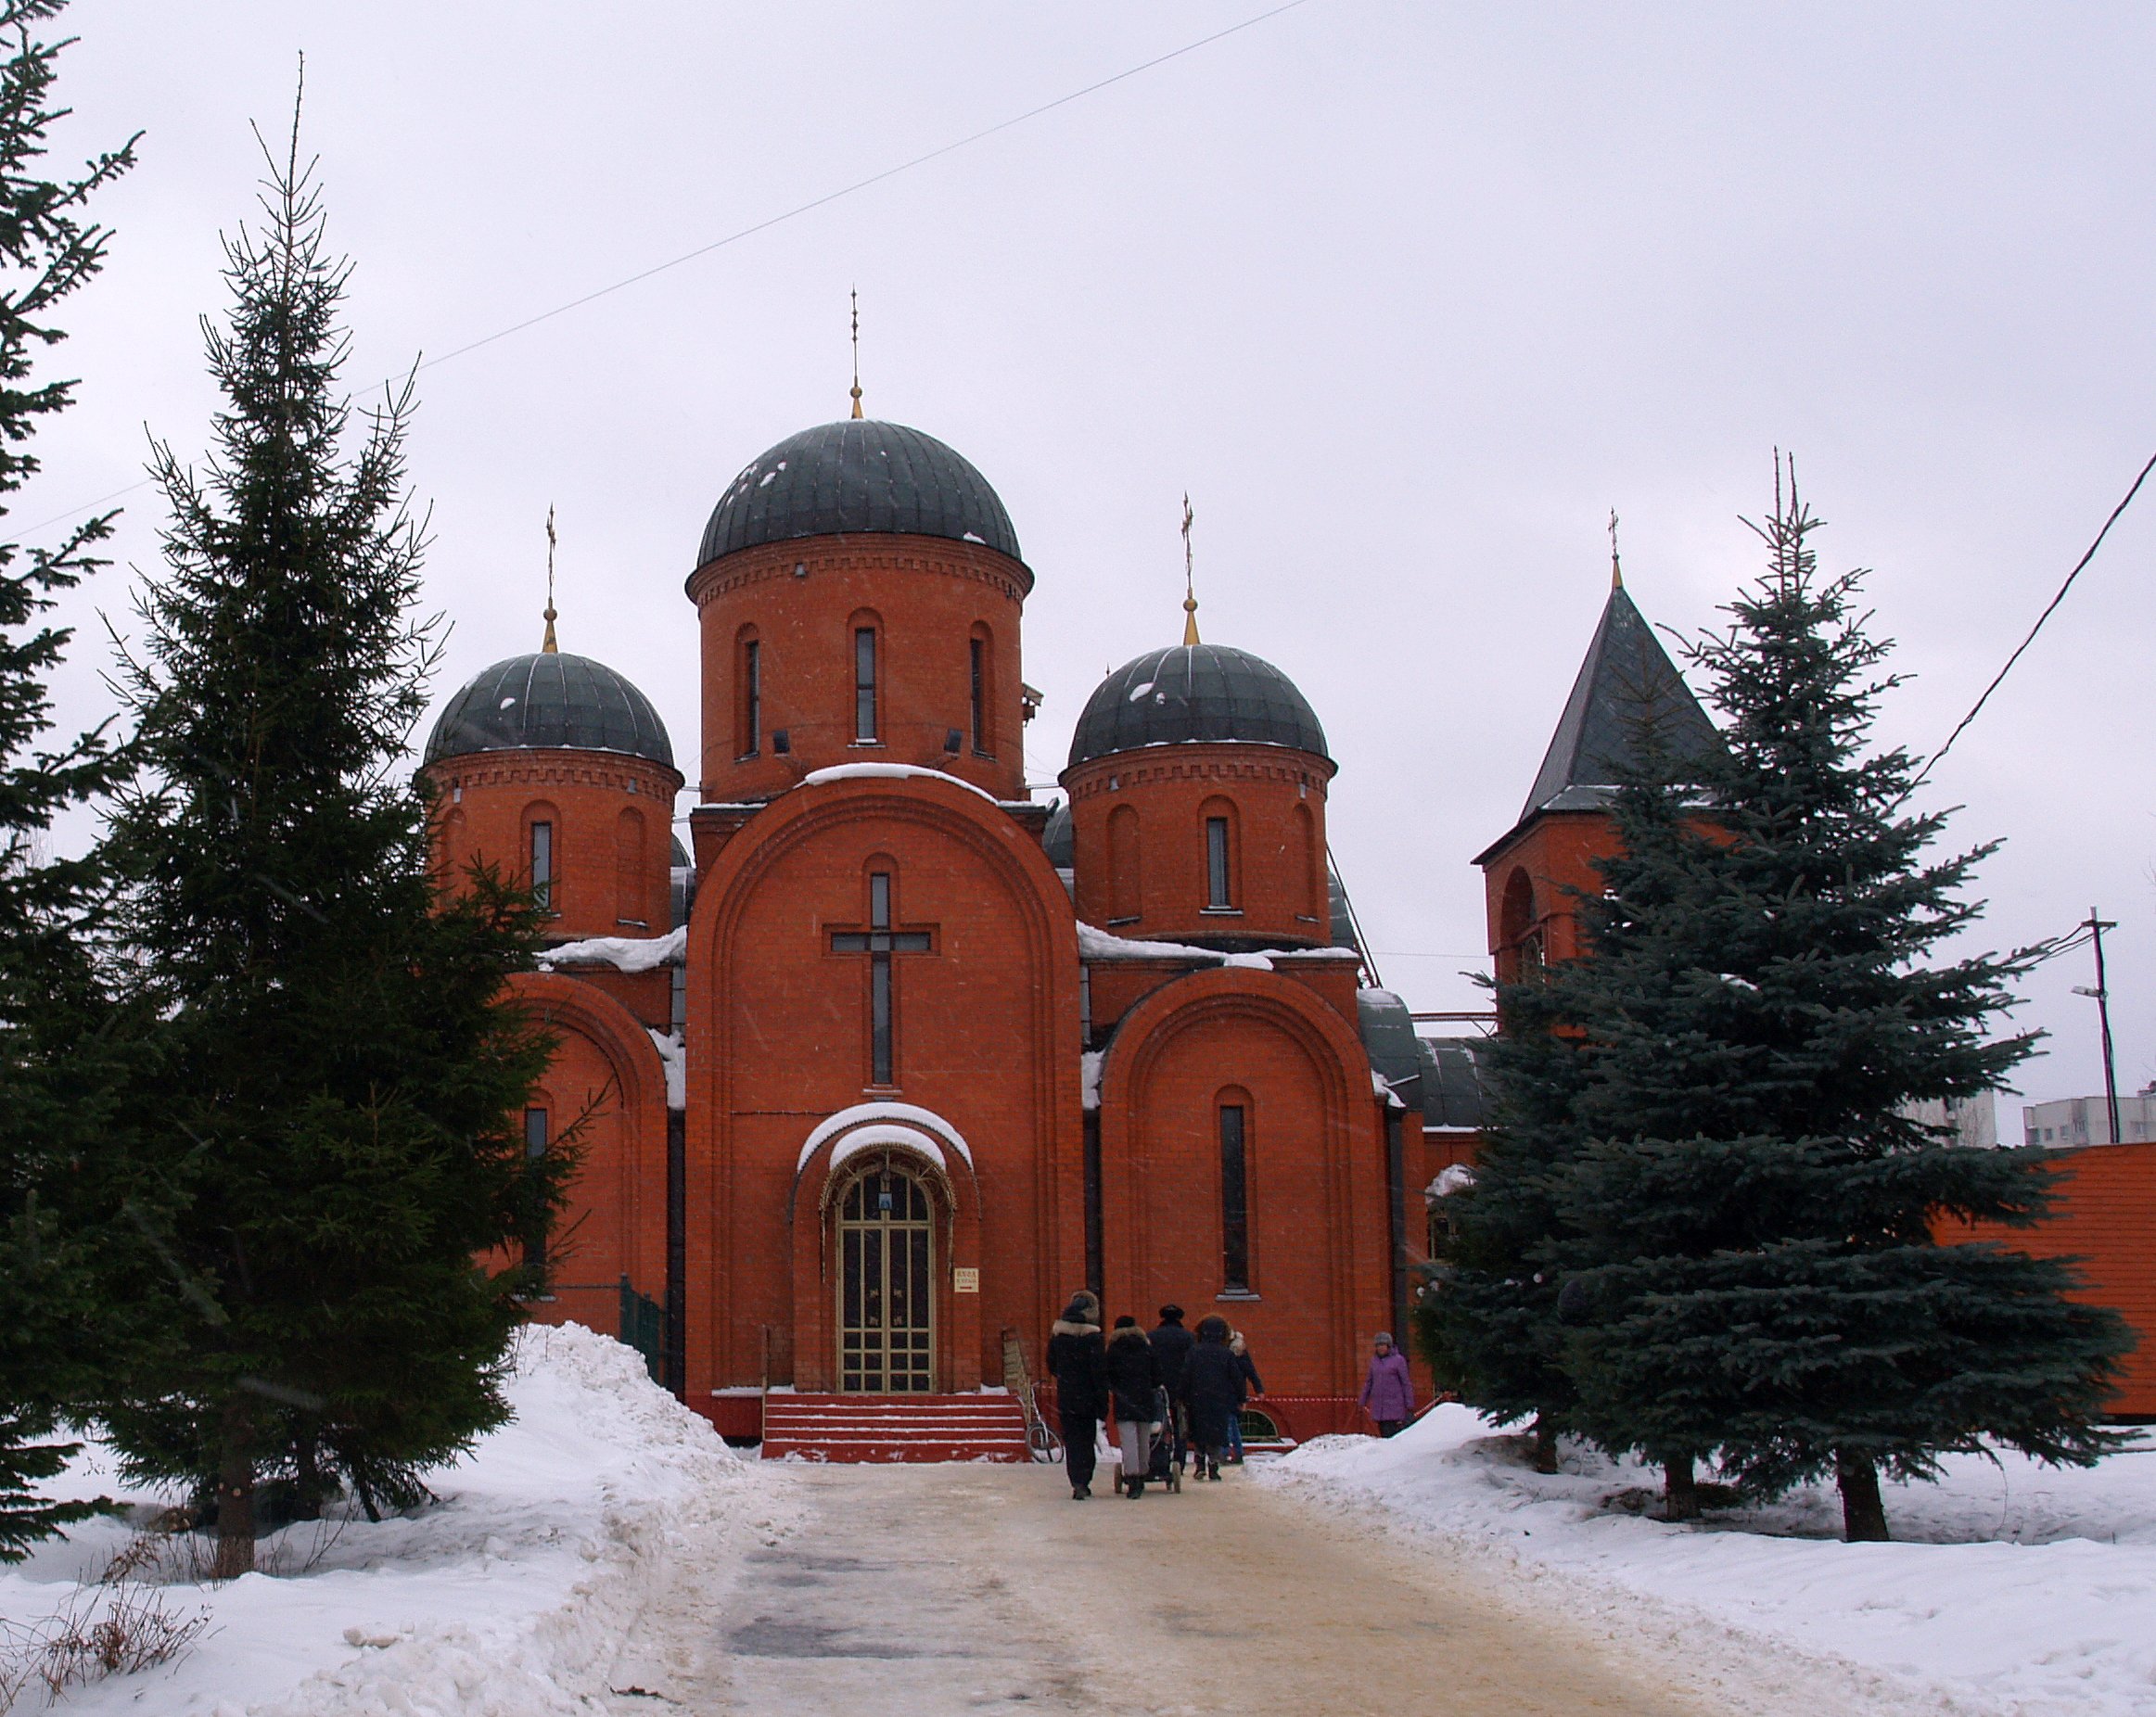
[[1187, 1386], [1191, 1384]]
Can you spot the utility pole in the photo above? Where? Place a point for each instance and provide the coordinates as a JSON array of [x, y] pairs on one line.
[[2096, 927]]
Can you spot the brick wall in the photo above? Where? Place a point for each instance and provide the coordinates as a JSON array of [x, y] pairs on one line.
[[2104, 1214]]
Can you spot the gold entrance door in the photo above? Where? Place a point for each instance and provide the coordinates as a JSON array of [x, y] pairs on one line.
[[887, 1298]]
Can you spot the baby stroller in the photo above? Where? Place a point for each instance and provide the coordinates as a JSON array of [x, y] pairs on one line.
[[1160, 1467]]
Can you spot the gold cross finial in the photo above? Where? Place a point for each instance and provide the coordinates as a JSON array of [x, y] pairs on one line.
[[548, 646], [1616, 567], [856, 296], [1190, 588]]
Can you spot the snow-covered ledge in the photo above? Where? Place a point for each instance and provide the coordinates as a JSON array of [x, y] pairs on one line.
[[1098, 944], [889, 771], [623, 953]]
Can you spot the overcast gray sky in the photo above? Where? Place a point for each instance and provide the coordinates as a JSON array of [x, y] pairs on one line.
[[1406, 296]]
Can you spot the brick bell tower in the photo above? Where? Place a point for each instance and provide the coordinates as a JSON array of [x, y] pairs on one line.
[[1626, 687]]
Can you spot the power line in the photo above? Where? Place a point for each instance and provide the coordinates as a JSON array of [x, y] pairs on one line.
[[2087, 556], [768, 222]]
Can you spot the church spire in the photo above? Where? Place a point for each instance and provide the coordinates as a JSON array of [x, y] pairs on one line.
[[1628, 695], [1189, 584], [1616, 567], [547, 645], [856, 297]]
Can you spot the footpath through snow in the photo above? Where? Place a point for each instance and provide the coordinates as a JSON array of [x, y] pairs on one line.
[[2012, 1587], [512, 1597]]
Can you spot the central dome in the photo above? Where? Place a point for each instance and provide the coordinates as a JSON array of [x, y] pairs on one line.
[[1193, 693], [857, 475]]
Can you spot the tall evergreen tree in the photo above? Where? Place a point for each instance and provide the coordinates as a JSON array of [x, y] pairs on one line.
[[1489, 1321], [1754, 1208], [54, 1060], [330, 1148]]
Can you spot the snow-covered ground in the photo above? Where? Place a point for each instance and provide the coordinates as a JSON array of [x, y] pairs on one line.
[[511, 1599], [2012, 1586]]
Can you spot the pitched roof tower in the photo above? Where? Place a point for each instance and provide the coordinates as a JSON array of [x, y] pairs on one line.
[[1628, 687]]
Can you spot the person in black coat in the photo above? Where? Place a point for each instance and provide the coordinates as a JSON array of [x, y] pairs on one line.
[[1133, 1381], [1171, 1347], [1078, 1359], [1213, 1391]]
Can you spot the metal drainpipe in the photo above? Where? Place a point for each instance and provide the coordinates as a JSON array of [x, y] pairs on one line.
[[1396, 1217]]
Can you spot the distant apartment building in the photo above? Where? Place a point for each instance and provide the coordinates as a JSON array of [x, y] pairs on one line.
[[2074, 1121], [1973, 1119]]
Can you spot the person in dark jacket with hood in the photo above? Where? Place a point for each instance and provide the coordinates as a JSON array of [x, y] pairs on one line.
[[1171, 1347], [1078, 1359], [1212, 1390], [1133, 1380]]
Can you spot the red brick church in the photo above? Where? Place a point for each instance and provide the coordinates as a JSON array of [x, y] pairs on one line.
[[890, 1058]]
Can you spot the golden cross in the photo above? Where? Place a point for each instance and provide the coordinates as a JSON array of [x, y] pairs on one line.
[[549, 647], [856, 297], [1190, 587]]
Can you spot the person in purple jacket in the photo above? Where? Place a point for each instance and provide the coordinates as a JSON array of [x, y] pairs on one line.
[[1388, 1393]]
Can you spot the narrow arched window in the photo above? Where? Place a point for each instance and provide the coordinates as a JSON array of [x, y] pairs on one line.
[[630, 907], [979, 666], [1235, 1198], [1123, 878], [542, 857], [1217, 825], [535, 1212], [865, 685], [1313, 858], [748, 741]]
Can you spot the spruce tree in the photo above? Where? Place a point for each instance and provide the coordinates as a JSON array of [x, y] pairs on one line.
[[56, 1063], [1488, 1320], [1758, 1216], [329, 1150]]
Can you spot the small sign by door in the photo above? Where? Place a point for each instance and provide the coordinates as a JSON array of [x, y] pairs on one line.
[[966, 1280]]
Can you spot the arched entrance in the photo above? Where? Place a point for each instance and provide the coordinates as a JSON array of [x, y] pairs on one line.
[[886, 1283]]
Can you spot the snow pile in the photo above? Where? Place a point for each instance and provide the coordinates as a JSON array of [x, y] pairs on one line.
[[512, 1597], [623, 953], [2013, 1587]]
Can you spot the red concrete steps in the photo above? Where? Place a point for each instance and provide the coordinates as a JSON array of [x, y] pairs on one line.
[[894, 1428]]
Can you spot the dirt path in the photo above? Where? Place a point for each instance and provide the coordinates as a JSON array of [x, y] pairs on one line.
[[924, 1590]]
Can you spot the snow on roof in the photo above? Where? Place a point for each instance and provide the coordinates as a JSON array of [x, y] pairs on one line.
[[883, 1134], [1097, 943], [862, 1113], [889, 772], [623, 953], [1457, 1179], [676, 1061]]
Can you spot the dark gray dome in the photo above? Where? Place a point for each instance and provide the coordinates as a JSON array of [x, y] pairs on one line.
[[568, 703], [857, 475], [1057, 839], [1195, 692]]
